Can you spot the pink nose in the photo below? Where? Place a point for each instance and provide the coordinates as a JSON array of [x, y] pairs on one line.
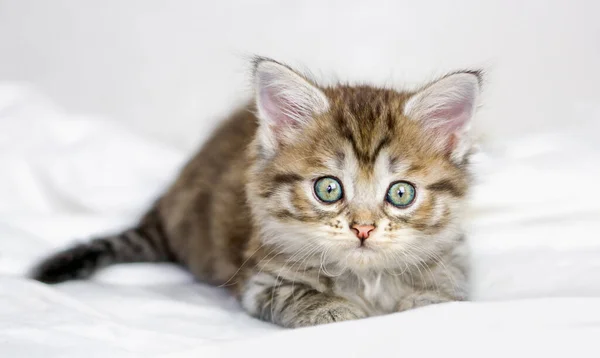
[[362, 231]]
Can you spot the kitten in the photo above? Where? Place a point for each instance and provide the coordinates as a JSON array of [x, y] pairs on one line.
[[315, 204]]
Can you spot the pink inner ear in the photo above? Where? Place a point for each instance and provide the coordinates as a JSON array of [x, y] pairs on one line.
[[278, 108], [452, 117], [449, 120]]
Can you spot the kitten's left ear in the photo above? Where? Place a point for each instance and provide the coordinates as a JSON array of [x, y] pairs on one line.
[[445, 109], [285, 101]]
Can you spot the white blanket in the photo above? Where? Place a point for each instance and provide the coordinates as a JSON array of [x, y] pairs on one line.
[[534, 235]]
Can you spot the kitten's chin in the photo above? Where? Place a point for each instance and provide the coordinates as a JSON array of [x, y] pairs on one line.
[[364, 258]]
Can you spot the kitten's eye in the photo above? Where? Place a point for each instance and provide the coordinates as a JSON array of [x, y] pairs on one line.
[[328, 189], [401, 194]]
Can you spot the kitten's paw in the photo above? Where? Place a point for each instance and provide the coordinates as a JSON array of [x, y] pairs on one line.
[[337, 314], [422, 299], [329, 314]]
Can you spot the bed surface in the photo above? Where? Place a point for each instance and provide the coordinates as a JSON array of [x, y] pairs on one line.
[[535, 237]]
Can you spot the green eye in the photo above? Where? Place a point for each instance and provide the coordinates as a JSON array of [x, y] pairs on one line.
[[328, 189], [401, 194]]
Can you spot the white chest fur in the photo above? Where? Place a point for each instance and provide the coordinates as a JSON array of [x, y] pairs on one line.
[[376, 293]]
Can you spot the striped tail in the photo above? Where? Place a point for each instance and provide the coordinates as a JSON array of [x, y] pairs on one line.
[[145, 243]]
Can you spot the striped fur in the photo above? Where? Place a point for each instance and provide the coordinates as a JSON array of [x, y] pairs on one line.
[[143, 243], [242, 213]]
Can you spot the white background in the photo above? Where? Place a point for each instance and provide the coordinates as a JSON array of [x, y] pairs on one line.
[[172, 68], [160, 74]]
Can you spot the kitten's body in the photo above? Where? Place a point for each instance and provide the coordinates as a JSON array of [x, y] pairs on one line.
[[241, 214]]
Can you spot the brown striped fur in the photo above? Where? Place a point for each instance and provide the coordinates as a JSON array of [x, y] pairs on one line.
[[243, 219]]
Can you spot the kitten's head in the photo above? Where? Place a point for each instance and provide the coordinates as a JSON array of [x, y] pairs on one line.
[[360, 177]]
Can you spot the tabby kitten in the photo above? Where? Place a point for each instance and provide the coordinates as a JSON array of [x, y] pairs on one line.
[[315, 204]]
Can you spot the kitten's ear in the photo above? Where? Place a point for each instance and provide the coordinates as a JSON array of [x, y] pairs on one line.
[[285, 102], [445, 109]]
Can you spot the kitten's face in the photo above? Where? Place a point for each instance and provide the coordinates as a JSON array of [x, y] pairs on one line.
[[360, 185]]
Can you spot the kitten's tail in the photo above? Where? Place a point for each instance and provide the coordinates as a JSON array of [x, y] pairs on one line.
[[144, 243]]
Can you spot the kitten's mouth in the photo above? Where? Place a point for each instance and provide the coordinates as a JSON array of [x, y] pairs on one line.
[[363, 246]]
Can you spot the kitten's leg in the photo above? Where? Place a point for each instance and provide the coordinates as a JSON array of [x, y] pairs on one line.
[[421, 299], [290, 304]]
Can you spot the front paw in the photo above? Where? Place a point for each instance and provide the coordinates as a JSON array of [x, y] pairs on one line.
[[328, 313], [416, 300]]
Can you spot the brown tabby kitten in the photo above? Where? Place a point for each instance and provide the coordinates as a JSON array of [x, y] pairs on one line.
[[317, 205]]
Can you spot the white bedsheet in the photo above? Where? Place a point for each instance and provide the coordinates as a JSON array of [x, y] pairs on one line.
[[534, 235]]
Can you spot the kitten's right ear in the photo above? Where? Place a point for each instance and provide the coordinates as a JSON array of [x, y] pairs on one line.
[[445, 109], [285, 102]]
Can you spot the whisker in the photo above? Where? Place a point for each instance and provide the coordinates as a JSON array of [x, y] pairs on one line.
[[305, 262], [444, 269], [278, 283], [242, 265]]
